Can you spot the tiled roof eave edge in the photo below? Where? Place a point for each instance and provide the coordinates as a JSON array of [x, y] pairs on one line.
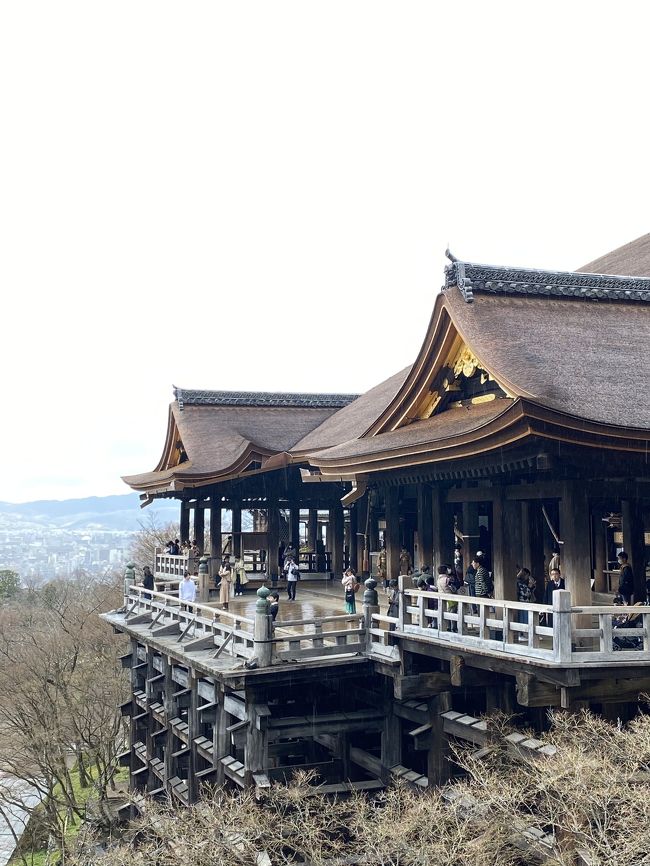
[[470, 278], [260, 400]]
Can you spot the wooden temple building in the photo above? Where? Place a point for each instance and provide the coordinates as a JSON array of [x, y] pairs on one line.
[[523, 423]]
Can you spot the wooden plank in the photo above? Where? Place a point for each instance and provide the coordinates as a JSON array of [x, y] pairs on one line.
[[411, 714]]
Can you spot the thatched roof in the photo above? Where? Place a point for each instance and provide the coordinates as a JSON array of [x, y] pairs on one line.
[[632, 259], [568, 349], [219, 440]]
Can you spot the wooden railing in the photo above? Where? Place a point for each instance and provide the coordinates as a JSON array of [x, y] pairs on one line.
[[557, 634], [195, 621], [322, 636]]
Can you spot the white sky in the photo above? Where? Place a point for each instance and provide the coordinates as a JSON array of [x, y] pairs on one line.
[[258, 195]]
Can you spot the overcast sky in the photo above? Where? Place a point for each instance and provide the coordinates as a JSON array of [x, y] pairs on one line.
[[258, 195]]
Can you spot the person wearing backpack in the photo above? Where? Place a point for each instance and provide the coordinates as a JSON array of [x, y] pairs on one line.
[[350, 587]]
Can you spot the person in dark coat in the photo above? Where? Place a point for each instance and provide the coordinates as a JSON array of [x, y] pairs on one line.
[[147, 580], [625, 578], [556, 581]]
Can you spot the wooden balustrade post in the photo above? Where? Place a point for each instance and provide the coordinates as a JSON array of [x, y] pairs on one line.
[[262, 631], [204, 580], [401, 614], [370, 606], [562, 625], [129, 580]]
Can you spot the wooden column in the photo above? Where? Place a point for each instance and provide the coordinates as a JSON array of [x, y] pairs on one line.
[[199, 525], [171, 709], [294, 527], [443, 530], [215, 538], [354, 538], [363, 525], [469, 526], [185, 521], [575, 556], [220, 738], [312, 529], [532, 538], [599, 536], [256, 752], [236, 529], [633, 542], [438, 769], [193, 732], [391, 735], [336, 535], [506, 547], [425, 524], [373, 526], [274, 541], [391, 500]]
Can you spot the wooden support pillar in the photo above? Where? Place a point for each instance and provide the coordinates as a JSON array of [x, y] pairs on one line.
[[256, 750], [193, 732], [335, 535], [185, 521], [215, 535], [443, 530], [294, 518], [391, 500], [354, 539], [391, 738], [362, 507], [470, 529], [236, 530], [599, 536], [273, 542], [312, 529], [425, 525], [575, 556], [171, 709], [220, 738], [438, 769], [199, 525], [532, 538], [633, 542], [506, 547]]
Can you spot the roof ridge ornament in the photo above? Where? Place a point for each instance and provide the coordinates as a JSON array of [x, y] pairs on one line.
[[470, 277]]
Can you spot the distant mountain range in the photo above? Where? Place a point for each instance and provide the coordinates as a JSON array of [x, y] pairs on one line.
[[113, 513]]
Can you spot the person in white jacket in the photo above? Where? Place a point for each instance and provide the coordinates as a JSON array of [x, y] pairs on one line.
[[187, 588]]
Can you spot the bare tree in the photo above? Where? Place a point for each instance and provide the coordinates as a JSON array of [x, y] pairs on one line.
[[587, 804], [151, 535], [61, 684]]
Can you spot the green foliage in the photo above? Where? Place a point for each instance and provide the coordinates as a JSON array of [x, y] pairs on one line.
[[9, 584]]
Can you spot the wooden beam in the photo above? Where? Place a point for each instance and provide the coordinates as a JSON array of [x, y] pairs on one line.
[[532, 693], [420, 685]]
